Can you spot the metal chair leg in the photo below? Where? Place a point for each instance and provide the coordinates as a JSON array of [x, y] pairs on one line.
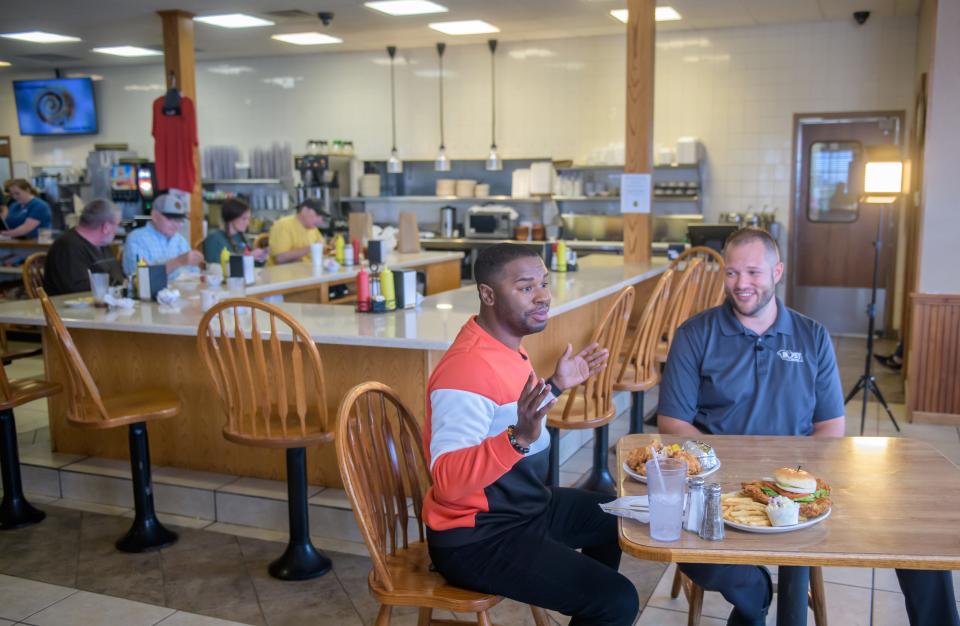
[[146, 533], [599, 478], [300, 560], [15, 511]]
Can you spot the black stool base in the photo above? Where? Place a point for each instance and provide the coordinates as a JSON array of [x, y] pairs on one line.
[[600, 482], [146, 536], [599, 479], [17, 513], [300, 562]]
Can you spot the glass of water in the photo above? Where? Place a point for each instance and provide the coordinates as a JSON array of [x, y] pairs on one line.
[[666, 484]]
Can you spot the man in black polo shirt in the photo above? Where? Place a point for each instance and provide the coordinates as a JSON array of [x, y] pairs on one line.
[[83, 248], [751, 366]]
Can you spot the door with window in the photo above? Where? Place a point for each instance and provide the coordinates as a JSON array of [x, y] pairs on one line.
[[832, 232]]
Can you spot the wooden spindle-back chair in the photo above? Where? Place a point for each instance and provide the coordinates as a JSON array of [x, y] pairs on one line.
[[385, 475], [683, 292], [590, 404], [32, 273], [267, 372], [637, 367], [710, 292], [88, 408]]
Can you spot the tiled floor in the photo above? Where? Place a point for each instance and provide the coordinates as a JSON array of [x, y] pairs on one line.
[[65, 571]]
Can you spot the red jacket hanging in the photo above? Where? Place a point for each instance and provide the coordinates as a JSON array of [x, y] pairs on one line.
[[175, 137]]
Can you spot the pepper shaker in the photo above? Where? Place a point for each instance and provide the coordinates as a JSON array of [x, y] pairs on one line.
[[695, 504], [712, 526]]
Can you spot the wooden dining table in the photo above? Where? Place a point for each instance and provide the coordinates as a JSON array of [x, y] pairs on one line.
[[895, 503]]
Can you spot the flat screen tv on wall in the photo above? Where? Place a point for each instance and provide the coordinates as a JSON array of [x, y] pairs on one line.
[[60, 106]]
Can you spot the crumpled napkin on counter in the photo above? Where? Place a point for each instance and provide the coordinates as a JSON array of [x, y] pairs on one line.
[[633, 507], [118, 303], [168, 296]]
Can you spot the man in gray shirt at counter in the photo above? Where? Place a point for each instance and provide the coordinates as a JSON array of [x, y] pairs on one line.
[[751, 366]]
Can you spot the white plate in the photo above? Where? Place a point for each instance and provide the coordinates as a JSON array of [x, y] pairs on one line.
[[772, 530], [634, 475], [79, 303]]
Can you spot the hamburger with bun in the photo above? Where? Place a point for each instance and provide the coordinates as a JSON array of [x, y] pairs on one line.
[[810, 492]]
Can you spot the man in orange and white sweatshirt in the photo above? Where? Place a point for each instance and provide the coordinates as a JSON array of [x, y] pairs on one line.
[[492, 524]]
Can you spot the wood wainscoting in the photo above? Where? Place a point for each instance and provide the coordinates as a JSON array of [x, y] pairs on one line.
[[933, 367]]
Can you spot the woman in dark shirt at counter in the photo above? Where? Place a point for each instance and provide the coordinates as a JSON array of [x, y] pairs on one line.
[[235, 215], [27, 213]]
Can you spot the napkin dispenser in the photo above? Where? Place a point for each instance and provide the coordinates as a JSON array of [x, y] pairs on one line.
[[150, 280], [376, 252], [405, 288]]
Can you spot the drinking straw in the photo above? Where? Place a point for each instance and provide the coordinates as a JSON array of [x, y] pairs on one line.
[[656, 463]]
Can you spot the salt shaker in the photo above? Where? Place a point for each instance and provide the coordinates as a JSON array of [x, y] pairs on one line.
[[712, 526], [695, 504]]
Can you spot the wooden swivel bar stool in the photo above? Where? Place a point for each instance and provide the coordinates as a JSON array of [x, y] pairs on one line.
[[385, 475], [272, 392], [710, 288], [590, 404], [15, 511], [88, 409], [638, 371]]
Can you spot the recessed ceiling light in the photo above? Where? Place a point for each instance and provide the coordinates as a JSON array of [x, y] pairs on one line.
[[307, 39], [128, 51], [406, 7], [36, 36], [661, 14], [465, 27], [4, 64], [233, 20]]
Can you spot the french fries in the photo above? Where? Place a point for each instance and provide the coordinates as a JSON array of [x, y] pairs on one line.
[[742, 509]]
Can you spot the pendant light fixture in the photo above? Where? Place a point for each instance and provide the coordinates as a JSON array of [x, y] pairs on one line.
[[394, 164], [494, 163], [442, 163]]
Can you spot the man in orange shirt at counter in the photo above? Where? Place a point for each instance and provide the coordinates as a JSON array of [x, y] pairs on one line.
[[492, 524]]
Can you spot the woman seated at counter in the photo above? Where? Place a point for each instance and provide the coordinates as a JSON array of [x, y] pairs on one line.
[[235, 215], [27, 213]]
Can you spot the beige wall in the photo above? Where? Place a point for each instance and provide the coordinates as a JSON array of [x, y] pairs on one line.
[[940, 256]]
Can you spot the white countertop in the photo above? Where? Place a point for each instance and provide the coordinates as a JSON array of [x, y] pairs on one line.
[[293, 275], [432, 326]]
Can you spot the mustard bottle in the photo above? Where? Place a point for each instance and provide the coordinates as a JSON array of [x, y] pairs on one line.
[[225, 262], [338, 246]]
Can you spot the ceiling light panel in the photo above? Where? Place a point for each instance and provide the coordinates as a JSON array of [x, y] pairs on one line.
[[661, 14], [128, 51], [307, 39], [4, 64], [37, 36], [465, 27], [406, 7], [233, 20]]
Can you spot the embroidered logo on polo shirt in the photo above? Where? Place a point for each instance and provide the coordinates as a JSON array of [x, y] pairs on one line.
[[790, 356]]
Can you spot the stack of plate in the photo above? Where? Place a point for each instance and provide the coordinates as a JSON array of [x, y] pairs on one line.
[[465, 188], [370, 185], [446, 187]]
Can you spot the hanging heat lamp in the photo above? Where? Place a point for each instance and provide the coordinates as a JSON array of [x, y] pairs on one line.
[[442, 163], [494, 163], [394, 164]]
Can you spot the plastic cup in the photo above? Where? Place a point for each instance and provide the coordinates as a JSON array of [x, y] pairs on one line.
[[666, 486], [99, 285], [316, 254], [208, 298]]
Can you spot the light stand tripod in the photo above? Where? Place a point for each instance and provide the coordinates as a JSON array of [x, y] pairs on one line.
[[868, 382]]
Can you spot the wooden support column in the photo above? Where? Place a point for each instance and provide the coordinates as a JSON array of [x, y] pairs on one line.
[[178, 57], [637, 227]]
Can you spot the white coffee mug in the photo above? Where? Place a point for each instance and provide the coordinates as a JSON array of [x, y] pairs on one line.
[[208, 298]]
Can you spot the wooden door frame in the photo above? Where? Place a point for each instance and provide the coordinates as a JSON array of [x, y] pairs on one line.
[[795, 167], [913, 221]]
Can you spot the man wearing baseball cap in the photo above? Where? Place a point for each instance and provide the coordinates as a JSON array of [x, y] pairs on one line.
[[291, 236], [161, 242]]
